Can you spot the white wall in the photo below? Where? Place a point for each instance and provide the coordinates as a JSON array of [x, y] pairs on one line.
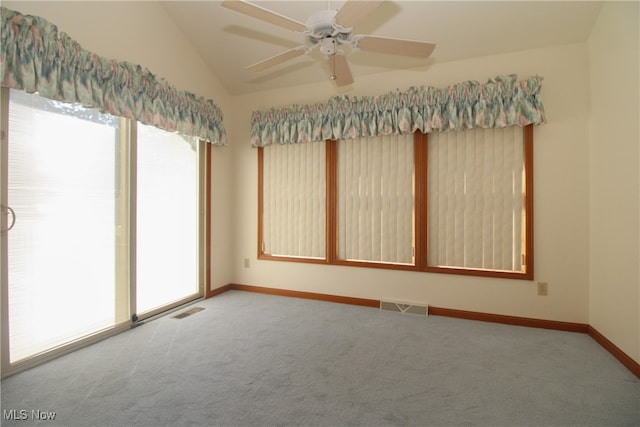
[[561, 197], [614, 145], [142, 33]]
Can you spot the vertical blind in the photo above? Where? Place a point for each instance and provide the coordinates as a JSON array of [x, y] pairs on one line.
[[476, 199], [294, 194], [376, 199]]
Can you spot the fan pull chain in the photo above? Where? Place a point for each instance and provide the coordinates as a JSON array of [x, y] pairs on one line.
[[333, 75]]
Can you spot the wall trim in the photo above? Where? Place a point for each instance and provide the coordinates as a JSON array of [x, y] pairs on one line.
[[307, 295], [217, 291], [510, 320], [615, 351]]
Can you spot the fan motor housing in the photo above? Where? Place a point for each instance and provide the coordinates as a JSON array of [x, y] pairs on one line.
[[321, 24], [322, 30]]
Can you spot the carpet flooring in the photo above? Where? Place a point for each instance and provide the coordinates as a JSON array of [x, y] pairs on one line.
[[259, 360]]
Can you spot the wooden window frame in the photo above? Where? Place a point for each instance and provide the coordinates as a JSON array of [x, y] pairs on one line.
[[421, 217], [265, 256], [422, 212]]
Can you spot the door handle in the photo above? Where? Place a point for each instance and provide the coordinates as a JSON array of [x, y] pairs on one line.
[[13, 217]]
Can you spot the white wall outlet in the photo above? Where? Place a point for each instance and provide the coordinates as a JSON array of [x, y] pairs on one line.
[[247, 263]]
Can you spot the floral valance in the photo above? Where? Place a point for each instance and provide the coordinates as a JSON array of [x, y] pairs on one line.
[[36, 57], [501, 102]]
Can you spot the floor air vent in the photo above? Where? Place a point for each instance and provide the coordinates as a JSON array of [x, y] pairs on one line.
[[188, 313], [410, 308]]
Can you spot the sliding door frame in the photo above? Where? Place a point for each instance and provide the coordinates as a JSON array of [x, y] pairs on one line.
[[4, 245], [203, 166], [126, 261]]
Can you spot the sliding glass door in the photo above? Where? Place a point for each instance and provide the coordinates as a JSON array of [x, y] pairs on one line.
[[167, 219], [63, 169], [101, 222]]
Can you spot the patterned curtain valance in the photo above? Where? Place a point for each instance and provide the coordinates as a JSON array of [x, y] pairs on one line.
[[502, 101], [36, 57]]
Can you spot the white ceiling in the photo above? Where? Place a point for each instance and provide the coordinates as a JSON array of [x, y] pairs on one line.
[[229, 41]]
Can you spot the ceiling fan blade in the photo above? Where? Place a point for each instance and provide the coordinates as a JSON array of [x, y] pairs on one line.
[[340, 68], [354, 11], [403, 47], [276, 59], [263, 14]]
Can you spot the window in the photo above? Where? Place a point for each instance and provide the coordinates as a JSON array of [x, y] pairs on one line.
[[376, 199], [476, 200], [293, 201], [453, 202]]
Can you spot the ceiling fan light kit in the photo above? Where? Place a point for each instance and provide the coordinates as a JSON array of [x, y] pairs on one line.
[[327, 30]]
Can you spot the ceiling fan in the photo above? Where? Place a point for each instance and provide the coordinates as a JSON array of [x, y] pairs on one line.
[[328, 30]]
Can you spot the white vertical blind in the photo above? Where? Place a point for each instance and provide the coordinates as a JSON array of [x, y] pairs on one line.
[[476, 199], [376, 199], [294, 194]]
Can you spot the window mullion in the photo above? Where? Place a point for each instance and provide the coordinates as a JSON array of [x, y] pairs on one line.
[[331, 201], [421, 244]]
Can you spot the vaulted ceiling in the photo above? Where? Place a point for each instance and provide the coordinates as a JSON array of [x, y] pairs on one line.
[[229, 41]]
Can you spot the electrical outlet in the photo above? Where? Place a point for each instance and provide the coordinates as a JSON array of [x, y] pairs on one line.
[[543, 288], [247, 263]]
